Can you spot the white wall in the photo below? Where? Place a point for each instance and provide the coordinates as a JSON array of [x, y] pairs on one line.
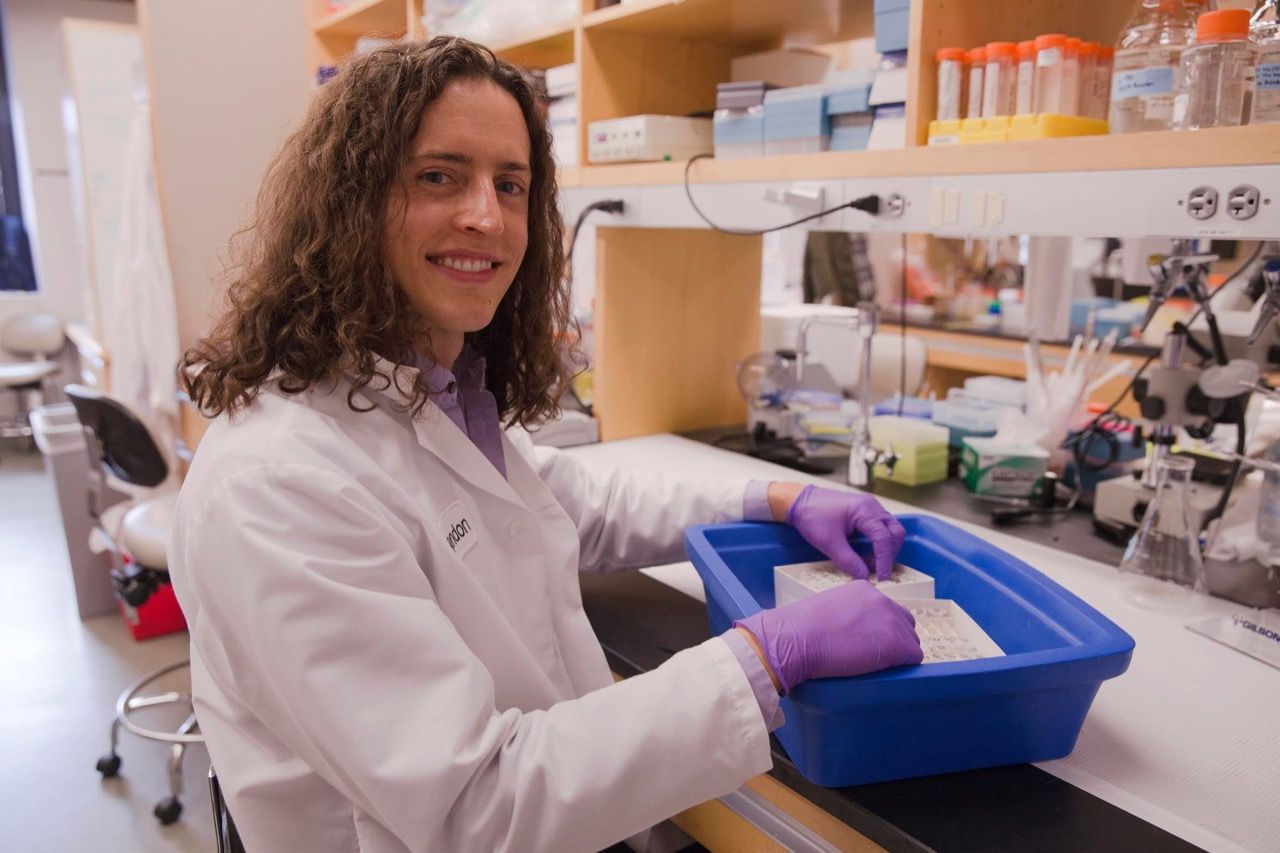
[[38, 90], [229, 79]]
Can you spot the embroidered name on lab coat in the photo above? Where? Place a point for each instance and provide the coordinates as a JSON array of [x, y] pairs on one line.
[[459, 531]]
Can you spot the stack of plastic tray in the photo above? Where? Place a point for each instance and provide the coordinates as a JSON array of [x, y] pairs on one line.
[[910, 721], [965, 416], [1000, 390], [738, 132], [738, 124], [795, 120], [850, 114], [921, 448]]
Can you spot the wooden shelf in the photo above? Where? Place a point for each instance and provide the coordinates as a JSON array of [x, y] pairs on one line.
[[750, 25], [1231, 146], [544, 48], [569, 177], [363, 17]]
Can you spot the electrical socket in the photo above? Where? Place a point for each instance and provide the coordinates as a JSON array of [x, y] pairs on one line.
[[894, 205], [1243, 201], [1202, 202]]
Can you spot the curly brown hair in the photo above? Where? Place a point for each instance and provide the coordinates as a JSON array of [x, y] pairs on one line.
[[310, 296]]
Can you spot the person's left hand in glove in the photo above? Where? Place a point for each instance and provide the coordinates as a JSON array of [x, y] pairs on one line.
[[826, 518]]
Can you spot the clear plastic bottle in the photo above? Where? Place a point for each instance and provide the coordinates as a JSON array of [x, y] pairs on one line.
[[1049, 59], [1025, 90], [977, 59], [1088, 69], [950, 82], [1264, 29], [1000, 79], [1216, 75], [1069, 103], [1102, 80], [1146, 60]]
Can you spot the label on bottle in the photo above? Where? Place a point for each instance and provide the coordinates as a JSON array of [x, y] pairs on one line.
[[1269, 74], [1143, 82], [1266, 103], [1048, 57]]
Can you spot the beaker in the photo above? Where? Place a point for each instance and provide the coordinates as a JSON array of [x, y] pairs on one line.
[[1162, 567]]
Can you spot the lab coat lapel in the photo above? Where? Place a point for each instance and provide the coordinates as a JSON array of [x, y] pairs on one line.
[[440, 436]]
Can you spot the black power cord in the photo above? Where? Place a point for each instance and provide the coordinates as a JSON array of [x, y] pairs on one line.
[[608, 205], [867, 204]]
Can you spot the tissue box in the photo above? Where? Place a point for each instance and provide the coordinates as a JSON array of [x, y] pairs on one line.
[[795, 581], [989, 467]]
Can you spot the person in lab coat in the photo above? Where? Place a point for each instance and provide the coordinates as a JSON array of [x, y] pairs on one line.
[[388, 645]]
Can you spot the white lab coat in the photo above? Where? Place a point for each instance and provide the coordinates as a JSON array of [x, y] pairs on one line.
[[389, 650], [139, 323]]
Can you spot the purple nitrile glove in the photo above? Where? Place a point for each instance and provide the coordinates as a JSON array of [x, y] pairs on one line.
[[826, 518], [850, 629]]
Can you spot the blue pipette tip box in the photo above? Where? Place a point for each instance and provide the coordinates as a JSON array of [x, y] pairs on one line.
[[913, 721]]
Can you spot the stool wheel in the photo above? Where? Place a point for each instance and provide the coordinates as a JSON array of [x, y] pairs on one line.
[[109, 765], [168, 810]]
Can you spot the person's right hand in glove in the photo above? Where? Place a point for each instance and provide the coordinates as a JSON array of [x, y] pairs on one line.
[[850, 629]]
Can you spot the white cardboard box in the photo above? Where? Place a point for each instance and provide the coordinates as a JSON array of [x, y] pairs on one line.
[[800, 580]]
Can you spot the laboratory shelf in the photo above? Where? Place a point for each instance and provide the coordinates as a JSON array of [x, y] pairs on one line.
[[363, 17], [1229, 146], [733, 22], [545, 47], [569, 177]]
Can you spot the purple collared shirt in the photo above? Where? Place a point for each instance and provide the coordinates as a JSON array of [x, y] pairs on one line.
[[462, 396]]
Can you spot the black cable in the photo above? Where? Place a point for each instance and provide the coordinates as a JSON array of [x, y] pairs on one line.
[[1097, 427], [867, 204], [608, 205]]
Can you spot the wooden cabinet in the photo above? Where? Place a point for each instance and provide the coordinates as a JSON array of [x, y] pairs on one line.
[[676, 305]]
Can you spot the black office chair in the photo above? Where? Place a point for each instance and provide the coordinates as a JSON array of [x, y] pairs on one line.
[[120, 445]]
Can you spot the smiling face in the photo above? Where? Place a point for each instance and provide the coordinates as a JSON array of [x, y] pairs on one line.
[[457, 228]]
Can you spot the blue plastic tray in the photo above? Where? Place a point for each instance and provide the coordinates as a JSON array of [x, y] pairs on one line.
[[941, 717]]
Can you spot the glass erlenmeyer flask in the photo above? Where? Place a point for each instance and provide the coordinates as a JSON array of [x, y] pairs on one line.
[[1162, 567]]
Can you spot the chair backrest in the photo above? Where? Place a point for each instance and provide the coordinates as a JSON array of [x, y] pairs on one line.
[[37, 335], [125, 445]]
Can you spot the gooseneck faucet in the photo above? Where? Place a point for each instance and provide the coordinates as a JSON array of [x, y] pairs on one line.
[[863, 455]]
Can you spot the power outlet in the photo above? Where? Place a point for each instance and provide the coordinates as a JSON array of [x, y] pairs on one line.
[[1243, 201], [894, 205], [1202, 202]]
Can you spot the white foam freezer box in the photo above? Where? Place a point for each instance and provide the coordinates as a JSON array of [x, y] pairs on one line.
[[947, 632], [795, 581]]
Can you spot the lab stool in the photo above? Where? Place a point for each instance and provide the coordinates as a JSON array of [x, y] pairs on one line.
[[120, 445], [132, 699], [35, 338]]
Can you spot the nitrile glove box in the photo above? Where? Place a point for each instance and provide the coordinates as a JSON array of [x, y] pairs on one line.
[[1027, 705]]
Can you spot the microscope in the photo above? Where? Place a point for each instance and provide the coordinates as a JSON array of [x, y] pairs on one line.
[[1171, 397]]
